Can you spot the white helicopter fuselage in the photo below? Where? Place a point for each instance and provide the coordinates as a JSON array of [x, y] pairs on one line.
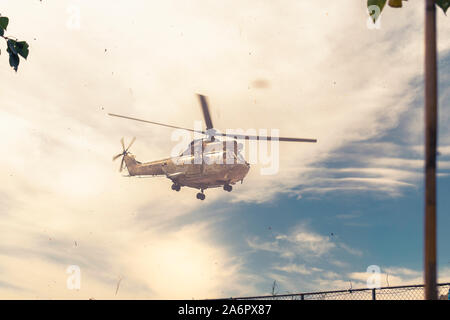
[[209, 169]]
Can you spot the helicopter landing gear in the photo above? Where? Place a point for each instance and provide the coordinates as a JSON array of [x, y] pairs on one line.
[[227, 187], [176, 187], [201, 195]]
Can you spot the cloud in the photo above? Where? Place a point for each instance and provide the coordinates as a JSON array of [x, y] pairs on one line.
[[59, 185], [310, 242], [296, 268], [444, 150], [347, 216], [301, 242], [306, 260], [390, 176], [351, 250], [292, 281], [399, 276]]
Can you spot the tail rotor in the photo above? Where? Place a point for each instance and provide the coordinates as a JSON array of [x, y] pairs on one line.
[[124, 152]]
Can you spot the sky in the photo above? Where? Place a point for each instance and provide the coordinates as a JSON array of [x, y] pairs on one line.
[[311, 69]]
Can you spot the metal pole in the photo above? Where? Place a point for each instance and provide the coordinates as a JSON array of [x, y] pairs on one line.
[[430, 273], [374, 294]]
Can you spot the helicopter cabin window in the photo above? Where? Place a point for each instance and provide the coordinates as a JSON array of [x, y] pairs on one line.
[[230, 157], [230, 152], [194, 146], [238, 148], [212, 152], [212, 147]]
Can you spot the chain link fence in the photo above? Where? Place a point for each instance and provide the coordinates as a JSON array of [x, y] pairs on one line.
[[412, 292]]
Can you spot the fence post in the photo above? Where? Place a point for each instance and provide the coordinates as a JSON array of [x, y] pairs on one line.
[[374, 296], [302, 297], [431, 123]]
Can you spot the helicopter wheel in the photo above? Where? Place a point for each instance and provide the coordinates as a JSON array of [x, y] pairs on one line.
[[176, 187], [227, 187], [201, 196]]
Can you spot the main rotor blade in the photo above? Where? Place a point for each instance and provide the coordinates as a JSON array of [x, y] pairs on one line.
[[207, 116], [131, 143], [245, 137], [205, 109], [123, 144], [117, 156], [157, 123]]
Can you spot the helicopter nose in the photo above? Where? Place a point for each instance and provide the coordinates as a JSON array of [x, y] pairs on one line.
[[245, 167]]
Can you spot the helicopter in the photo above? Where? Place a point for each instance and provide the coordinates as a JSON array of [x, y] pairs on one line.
[[206, 163]]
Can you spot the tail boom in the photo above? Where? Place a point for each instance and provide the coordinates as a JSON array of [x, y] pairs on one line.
[[136, 168]]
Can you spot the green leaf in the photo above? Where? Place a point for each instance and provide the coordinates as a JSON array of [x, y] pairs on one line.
[[22, 49], [2, 32], [14, 59], [12, 45], [18, 47], [375, 12], [395, 3], [444, 4], [4, 22]]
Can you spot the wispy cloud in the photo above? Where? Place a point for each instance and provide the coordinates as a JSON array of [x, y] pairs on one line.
[[297, 268], [59, 185], [302, 243], [348, 216], [299, 242]]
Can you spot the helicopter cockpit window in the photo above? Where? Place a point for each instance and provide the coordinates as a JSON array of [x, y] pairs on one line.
[[239, 155]]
